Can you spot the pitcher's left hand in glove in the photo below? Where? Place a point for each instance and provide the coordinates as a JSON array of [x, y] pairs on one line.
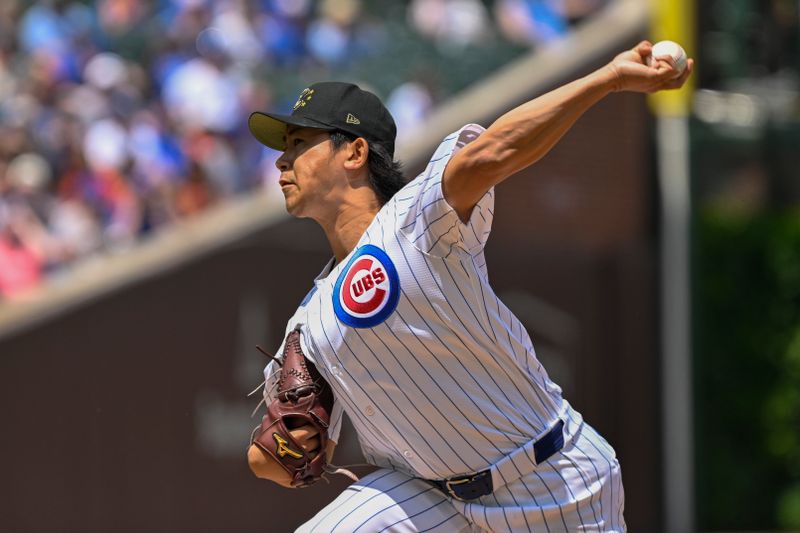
[[303, 399]]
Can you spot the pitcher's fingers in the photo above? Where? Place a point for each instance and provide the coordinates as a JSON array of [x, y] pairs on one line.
[[307, 436], [302, 433], [311, 445], [644, 48], [678, 82]]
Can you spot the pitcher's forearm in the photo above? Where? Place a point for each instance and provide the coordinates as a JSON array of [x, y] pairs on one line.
[[519, 138], [525, 134], [528, 132]]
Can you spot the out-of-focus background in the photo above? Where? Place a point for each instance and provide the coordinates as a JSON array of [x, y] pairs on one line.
[[654, 255]]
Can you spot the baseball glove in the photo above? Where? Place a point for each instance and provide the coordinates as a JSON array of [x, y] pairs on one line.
[[302, 398]]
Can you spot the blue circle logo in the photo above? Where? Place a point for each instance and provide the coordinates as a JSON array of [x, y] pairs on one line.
[[367, 290]]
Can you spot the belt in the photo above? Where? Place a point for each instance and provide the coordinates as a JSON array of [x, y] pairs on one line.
[[470, 486]]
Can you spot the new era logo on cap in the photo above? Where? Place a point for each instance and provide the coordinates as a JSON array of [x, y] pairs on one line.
[[324, 106]]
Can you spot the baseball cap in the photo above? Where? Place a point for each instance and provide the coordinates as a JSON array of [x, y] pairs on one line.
[[329, 105]]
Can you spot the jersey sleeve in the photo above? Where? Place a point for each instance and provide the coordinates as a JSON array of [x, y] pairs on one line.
[[425, 217]]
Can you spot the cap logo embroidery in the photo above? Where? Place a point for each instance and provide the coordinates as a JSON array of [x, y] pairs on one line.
[[351, 119], [303, 99]]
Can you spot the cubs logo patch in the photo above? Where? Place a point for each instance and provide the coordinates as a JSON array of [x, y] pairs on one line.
[[367, 290]]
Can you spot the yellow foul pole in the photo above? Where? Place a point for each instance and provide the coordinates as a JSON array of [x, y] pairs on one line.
[[674, 20]]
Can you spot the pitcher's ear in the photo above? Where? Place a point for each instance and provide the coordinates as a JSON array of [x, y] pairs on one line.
[[357, 154]]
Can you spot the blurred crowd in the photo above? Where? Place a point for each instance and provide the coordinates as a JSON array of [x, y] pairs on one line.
[[120, 117]]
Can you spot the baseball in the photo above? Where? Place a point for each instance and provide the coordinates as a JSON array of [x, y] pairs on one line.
[[664, 49]]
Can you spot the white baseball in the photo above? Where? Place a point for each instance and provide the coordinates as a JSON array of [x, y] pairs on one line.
[[671, 49]]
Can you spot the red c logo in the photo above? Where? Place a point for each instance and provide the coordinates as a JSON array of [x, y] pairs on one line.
[[363, 284]]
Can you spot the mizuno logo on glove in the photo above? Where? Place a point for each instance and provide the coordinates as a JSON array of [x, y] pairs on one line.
[[284, 450]]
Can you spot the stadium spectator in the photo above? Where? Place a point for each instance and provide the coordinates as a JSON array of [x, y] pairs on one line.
[[119, 117]]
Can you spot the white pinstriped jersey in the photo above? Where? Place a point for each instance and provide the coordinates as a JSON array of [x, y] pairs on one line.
[[437, 375]]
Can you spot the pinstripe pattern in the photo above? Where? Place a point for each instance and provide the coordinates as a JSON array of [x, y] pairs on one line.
[[449, 383], [389, 500]]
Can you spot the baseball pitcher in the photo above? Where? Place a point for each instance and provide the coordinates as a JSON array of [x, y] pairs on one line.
[[404, 333]]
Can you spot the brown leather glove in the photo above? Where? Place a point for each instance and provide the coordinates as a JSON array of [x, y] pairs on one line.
[[302, 398]]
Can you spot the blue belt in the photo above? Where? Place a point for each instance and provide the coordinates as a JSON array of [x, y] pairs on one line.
[[471, 486]]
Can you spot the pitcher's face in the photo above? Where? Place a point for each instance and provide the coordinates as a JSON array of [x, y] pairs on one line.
[[311, 172]]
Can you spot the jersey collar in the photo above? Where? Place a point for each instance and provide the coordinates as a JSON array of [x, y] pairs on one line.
[[326, 270]]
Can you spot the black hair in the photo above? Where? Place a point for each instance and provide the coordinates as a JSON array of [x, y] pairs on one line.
[[385, 175]]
